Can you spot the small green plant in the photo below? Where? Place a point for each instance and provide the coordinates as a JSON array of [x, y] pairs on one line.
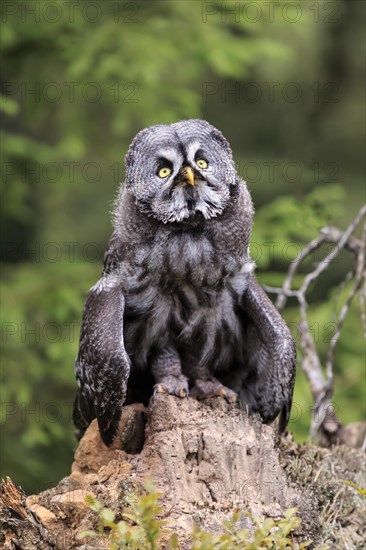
[[140, 529], [268, 534]]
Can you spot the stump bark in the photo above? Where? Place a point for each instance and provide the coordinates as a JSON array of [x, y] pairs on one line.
[[205, 458]]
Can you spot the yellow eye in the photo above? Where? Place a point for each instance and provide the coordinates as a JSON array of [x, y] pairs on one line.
[[202, 163], [164, 172]]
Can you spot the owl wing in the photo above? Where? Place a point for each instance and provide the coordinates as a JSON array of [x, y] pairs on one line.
[[271, 354], [102, 366]]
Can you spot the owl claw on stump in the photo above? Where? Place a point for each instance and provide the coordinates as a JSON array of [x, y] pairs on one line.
[[182, 392], [173, 386], [203, 389]]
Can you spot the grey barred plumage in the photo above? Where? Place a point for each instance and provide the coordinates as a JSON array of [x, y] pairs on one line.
[[178, 308]]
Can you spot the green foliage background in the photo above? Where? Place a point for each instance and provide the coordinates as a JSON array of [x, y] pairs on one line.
[[283, 84]]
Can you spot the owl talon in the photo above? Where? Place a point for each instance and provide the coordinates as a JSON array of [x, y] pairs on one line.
[[173, 386], [231, 397], [159, 389], [203, 389], [221, 392]]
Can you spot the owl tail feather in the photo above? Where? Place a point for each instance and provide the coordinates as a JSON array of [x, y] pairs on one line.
[[80, 418], [284, 418]]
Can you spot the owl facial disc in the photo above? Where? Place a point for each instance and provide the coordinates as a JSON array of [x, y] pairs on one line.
[[180, 172]]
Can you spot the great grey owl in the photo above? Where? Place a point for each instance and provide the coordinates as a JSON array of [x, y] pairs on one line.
[[178, 308]]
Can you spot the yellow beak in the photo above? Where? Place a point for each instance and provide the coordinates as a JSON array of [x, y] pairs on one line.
[[188, 174]]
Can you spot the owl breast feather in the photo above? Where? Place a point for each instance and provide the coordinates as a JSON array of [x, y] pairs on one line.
[[185, 296]]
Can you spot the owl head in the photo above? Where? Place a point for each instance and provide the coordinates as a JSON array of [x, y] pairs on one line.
[[180, 172]]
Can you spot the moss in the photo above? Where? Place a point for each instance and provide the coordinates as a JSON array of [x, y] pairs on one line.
[[323, 473]]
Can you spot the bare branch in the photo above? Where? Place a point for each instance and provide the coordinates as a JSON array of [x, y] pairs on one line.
[[362, 293], [334, 235], [306, 251], [324, 419], [310, 362], [287, 293], [328, 234], [341, 318], [310, 277]]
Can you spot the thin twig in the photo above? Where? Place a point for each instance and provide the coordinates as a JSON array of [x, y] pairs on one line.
[[334, 235], [362, 293], [306, 251], [310, 277], [310, 360], [274, 290], [342, 285], [341, 318], [328, 234]]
